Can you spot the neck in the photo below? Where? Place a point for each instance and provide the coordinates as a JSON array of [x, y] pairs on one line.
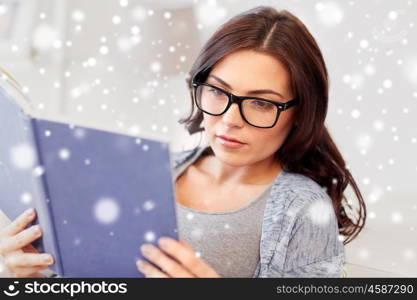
[[259, 173]]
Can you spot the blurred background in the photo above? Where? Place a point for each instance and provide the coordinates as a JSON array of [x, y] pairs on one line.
[[121, 65]]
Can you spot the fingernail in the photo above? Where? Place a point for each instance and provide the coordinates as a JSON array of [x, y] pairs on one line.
[[36, 229], [30, 212], [140, 264], [47, 258], [145, 248], [163, 242]]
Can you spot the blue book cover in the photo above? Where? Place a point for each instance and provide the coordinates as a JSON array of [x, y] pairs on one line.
[[99, 195]]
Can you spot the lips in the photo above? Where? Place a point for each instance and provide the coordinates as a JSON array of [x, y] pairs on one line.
[[230, 139]]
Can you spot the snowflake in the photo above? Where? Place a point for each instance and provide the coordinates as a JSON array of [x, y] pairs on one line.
[[378, 125], [150, 236], [396, 217], [329, 13], [149, 205], [22, 156], [387, 83], [116, 20], [364, 254], [135, 30], [139, 13], [26, 198], [320, 212], [64, 154], [44, 37], [104, 50], [197, 233], [355, 113], [38, 171], [78, 15], [409, 254], [79, 133], [156, 66], [106, 210]]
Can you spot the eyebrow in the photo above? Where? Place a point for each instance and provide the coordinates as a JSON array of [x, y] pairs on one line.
[[254, 92]]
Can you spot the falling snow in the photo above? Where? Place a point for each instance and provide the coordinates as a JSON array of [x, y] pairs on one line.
[[106, 210], [22, 156], [26, 198], [373, 75], [150, 236], [64, 154], [149, 205], [320, 212]]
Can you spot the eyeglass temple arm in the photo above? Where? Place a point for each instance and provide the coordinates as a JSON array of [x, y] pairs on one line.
[[290, 103]]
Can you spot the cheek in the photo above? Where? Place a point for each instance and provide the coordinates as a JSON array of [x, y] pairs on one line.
[[209, 121], [269, 140], [266, 139]]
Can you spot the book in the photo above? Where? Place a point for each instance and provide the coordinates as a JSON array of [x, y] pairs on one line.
[[99, 195]]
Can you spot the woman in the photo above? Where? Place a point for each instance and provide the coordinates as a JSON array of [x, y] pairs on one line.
[[265, 197]]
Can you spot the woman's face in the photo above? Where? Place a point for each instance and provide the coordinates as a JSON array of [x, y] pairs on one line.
[[245, 71]]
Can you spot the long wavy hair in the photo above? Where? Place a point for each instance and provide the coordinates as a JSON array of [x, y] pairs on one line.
[[308, 148]]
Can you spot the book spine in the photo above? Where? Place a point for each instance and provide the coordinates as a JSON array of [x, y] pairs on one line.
[[43, 205]]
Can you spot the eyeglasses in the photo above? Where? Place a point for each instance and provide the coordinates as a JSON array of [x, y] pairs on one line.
[[258, 112]]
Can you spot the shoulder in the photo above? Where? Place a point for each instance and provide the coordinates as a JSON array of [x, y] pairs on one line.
[[305, 202], [309, 235], [301, 184], [299, 194]]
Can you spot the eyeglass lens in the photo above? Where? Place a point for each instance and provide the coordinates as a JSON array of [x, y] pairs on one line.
[[257, 112]]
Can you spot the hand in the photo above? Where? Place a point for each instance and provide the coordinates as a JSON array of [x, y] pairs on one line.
[[19, 255], [176, 259]]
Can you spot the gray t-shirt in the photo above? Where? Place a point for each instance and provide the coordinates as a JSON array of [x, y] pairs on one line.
[[227, 241]]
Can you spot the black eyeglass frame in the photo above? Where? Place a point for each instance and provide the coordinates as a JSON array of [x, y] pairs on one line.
[[239, 99]]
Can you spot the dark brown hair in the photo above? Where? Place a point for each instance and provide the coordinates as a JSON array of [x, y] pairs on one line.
[[308, 148]]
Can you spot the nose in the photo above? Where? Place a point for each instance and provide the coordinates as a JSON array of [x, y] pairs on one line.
[[232, 116]]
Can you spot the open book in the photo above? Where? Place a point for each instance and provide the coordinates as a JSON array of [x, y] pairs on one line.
[[99, 195]]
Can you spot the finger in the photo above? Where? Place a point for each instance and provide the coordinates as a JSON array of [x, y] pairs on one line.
[[187, 257], [150, 271], [30, 249], [28, 272], [21, 239], [19, 260], [184, 242], [167, 264], [19, 223]]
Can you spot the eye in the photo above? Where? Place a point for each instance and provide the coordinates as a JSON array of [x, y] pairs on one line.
[[262, 104], [214, 91]]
